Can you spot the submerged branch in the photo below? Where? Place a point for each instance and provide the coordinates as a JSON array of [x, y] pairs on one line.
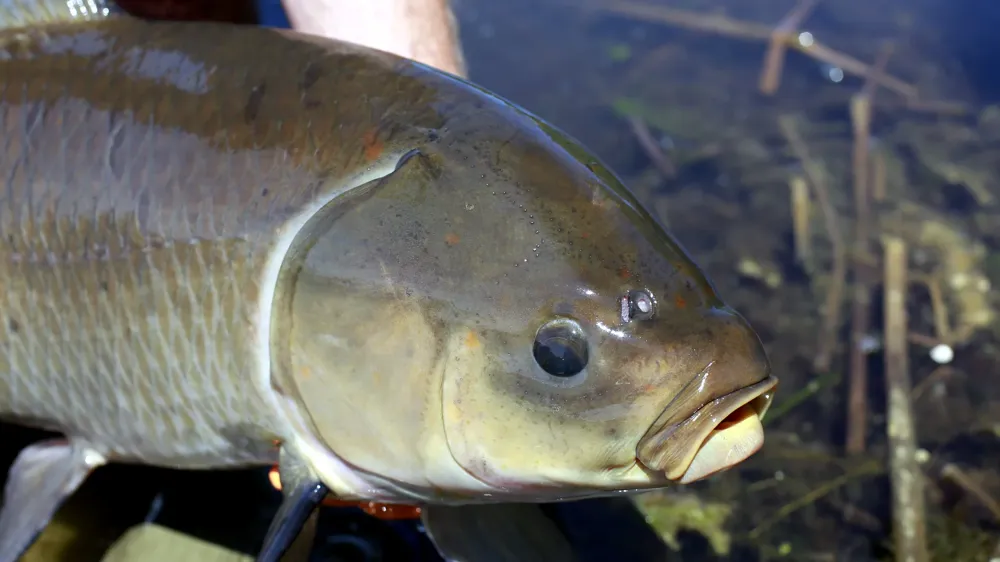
[[783, 33], [651, 147], [838, 274], [861, 118], [908, 517], [729, 27], [816, 494]]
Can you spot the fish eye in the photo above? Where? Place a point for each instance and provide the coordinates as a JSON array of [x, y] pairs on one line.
[[560, 348]]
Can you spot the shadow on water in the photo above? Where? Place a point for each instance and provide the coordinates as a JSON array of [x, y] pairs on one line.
[[640, 92]]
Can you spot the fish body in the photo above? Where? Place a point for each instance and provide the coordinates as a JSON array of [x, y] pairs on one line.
[[228, 246]]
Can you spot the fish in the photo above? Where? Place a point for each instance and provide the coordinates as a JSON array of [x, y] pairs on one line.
[[228, 246]]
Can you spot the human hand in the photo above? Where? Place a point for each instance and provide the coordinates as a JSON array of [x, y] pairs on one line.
[[422, 30]]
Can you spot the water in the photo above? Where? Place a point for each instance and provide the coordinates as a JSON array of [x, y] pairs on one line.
[[678, 112]]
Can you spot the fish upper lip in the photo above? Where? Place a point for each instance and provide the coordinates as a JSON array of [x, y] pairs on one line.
[[671, 448]]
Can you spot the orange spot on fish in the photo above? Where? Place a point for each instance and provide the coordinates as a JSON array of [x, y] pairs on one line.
[[305, 372], [373, 146], [624, 273], [385, 511], [471, 339], [451, 239], [585, 235], [680, 302]]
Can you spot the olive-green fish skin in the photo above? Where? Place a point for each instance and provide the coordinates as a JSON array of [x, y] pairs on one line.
[[146, 168]]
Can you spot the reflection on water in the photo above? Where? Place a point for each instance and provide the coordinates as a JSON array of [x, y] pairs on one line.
[[749, 149]]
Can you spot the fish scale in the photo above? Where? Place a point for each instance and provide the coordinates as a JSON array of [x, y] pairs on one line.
[[90, 276]]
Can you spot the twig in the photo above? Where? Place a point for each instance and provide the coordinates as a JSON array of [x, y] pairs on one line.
[[939, 309], [817, 493], [774, 61], [957, 476], [878, 176], [805, 393], [851, 65], [857, 402], [923, 340], [754, 31], [651, 148], [684, 18], [838, 274], [942, 372], [856, 515], [909, 525], [801, 213]]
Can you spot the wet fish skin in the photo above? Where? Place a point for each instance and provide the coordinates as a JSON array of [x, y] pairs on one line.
[[205, 251]]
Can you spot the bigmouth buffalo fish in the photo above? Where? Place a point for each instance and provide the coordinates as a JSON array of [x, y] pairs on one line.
[[226, 246]]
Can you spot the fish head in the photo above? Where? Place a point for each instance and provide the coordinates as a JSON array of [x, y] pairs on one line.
[[499, 319]]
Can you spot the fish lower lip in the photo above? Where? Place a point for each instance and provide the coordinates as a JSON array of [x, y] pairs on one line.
[[719, 435]]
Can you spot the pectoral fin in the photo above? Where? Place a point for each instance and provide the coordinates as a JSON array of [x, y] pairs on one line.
[[41, 478], [303, 492], [495, 533]]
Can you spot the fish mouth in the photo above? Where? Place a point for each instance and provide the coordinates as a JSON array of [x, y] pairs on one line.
[[721, 434]]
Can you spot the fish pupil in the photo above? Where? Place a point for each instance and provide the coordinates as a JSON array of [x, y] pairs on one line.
[[560, 349]]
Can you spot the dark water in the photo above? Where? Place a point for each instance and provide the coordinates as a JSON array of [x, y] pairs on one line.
[[597, 70]]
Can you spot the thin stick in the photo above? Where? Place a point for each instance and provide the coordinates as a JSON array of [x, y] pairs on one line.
[[958, 476], [942, 372], [909, 526], [651, 147], [801, 213], [851, 65], [751, 31], [774, 61], [939, 309], [878, 176], [816, 494], [838, 273], [684, 18], [857, 394], [922, 340], [802, 395], [857, 401]]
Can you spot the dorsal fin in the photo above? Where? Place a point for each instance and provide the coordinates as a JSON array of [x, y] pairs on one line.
[[26, 13]]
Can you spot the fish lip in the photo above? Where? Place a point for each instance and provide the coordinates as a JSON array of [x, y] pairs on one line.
[[670, 448]]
